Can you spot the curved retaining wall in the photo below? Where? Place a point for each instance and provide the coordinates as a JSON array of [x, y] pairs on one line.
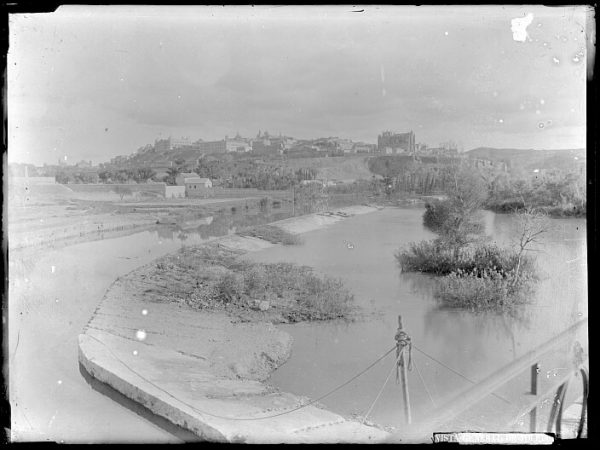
[[202, 372]]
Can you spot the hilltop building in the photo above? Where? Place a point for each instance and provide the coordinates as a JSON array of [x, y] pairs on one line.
[[395, 143], [165, 145], [266, 144], [237, 144]]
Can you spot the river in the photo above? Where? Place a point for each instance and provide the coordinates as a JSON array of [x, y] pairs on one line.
[[360, 251], [53, 292]]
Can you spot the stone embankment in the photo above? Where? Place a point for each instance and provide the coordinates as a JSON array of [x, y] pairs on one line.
[[204, 371]]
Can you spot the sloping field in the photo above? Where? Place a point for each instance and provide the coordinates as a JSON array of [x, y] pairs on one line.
[[569, 159], [334, 168], [33, 193]]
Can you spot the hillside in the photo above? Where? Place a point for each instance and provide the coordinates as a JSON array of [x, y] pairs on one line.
[[334, 168], [569, 159]]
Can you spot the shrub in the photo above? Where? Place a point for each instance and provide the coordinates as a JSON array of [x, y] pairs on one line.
[[487, 290], [426, 256], [479, 278], [324, 298], [223, 281], [436, 215], [256, 280], [436, 258], [230, 288]]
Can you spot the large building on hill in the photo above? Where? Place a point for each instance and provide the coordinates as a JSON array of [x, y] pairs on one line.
[[263, 143], [209, 147], [394, 143], [165, 145]]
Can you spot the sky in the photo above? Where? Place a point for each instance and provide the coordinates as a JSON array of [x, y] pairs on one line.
[[93, 82]]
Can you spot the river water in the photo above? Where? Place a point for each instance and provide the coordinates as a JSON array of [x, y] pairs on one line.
[[53, 293], [360, 251]]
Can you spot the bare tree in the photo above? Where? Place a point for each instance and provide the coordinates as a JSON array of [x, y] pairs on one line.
[[531, 225]]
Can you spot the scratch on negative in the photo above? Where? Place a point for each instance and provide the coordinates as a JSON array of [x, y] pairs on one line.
[[16, 347]]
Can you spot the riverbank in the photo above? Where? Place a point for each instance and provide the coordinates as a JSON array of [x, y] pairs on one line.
[[202, 370], [63, 223]]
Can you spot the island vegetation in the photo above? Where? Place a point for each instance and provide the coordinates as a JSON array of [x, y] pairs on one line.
[[474, 273], [214, 278]]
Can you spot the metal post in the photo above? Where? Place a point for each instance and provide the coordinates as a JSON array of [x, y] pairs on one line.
[[535, 369], [402, 341]]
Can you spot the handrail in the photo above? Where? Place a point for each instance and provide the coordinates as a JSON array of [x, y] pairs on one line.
[[472, 395]]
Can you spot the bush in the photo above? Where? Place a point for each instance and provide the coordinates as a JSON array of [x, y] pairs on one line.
[[426, 256], [324, 298], [436, 258], [478, 278], [223, 281], [436, 215], [487, 290], [230, 288]]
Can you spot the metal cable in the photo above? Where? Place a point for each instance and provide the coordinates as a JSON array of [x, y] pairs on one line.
[[457, 373], [382, 387], [246, 418], [424, 385]]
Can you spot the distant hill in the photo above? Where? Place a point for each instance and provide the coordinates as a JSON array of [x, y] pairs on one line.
[[568, 159]]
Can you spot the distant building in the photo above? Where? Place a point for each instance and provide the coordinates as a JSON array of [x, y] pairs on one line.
[[209, 147], [345, 145], [84, 164], [198, 187], [265, 144], [165, 145], [393, 143], [237, 144], [180, 179], [361, 147]]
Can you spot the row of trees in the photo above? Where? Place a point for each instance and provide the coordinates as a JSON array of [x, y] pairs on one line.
[[122, 176], [556, 190]]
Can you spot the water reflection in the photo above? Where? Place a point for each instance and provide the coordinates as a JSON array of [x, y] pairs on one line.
[[222, 224], [420, 284], [475, 344]]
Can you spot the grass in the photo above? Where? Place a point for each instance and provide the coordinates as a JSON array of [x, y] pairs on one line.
[[272, 234], [489, 290], [480, 277], [214, 278]]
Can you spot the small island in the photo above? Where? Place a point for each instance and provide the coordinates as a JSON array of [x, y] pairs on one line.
[[474, 273]]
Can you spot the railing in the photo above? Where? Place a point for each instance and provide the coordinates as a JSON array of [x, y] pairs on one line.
[[489, 385]]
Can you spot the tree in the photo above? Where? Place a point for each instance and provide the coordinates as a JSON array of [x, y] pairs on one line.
[[105, 176], [457, 219], [122, 191], [531, 226], [172, 173], [63, 177], [143, 174]]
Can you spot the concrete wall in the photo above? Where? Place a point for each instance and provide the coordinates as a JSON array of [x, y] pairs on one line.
[[198, 192], [219, 192], [174, 191], [32, 180], [158, 188]]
